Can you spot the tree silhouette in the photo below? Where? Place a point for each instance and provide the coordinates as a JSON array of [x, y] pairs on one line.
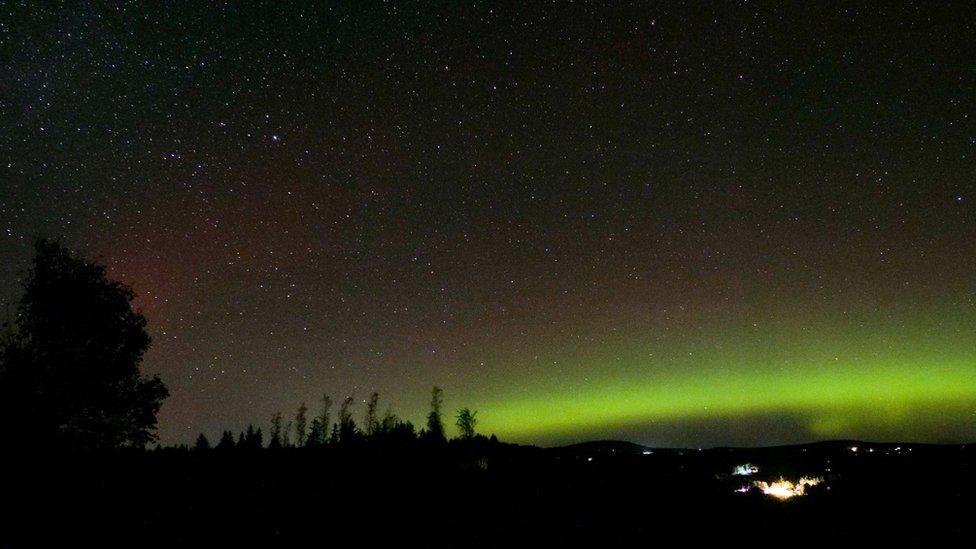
[[316, 434], [286, 435], [275, 441], [301, 423], [69, 370], [435, 423], [202, 443], [403, 432], [372, 421], [466, 422], [392, 430], [226, 441], [347, 425], [251, 439], [388, 423], [325, 418]]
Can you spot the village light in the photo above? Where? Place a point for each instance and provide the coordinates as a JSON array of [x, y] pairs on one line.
[[785, 489]]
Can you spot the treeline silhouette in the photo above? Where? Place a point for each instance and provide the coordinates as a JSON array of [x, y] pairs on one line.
[[319, 432], [70, 379]]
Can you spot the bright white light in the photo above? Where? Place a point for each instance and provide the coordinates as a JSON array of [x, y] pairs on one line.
[[786, 489]]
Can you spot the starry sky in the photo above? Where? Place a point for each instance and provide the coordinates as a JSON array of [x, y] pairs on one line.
[[681, 224]]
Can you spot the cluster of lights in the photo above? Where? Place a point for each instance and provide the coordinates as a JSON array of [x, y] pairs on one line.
[[744, 470], [786, 489], [897, 450]]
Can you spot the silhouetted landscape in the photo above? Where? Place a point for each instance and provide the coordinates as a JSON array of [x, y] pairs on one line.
[[83, 472], [487, 274], [490, 494]]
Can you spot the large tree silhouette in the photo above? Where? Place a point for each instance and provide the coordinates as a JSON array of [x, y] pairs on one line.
[[69, 370]]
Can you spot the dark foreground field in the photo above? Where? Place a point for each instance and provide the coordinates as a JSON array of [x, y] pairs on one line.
[[491, 495]]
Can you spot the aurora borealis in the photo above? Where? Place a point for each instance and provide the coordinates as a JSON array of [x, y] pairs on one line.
[[680, 225], [867, 390]]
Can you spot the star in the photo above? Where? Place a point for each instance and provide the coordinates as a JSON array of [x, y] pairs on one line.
[[615, 203]]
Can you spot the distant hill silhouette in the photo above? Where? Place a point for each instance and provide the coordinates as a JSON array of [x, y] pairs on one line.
[[484, 493]]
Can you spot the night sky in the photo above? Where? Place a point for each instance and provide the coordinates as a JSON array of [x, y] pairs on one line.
[[676, 224]]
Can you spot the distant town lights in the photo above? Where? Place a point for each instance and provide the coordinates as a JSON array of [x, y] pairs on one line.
[[785, 489]]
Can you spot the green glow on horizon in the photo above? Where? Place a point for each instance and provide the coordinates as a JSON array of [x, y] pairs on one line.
[[833, 399], [884, 375]]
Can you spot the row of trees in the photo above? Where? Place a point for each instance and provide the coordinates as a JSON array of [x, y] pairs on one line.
[[70, 378], [319, 430]]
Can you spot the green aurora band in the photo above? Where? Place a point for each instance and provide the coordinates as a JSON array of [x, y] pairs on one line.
[[910, 376]]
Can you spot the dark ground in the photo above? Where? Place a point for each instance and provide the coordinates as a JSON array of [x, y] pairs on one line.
[[490, 495]]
